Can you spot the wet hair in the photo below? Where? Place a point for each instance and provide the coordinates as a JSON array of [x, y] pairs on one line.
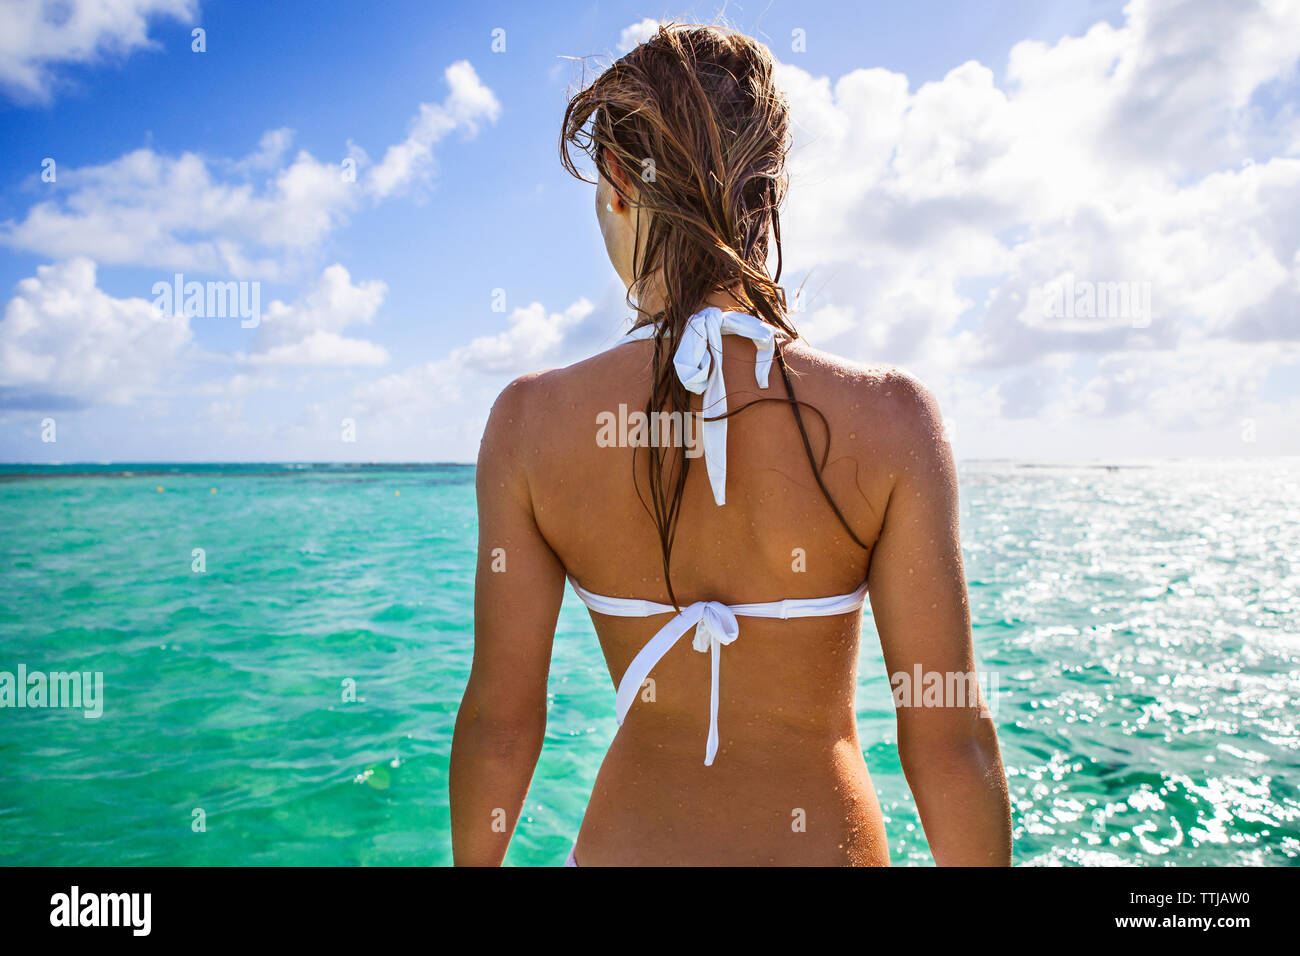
[[692, 115]]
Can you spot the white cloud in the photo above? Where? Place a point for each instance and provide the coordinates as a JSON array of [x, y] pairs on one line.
[[64, 341], [1207, 397], [323, 349], [932, 221], [175, 213], [1204, 384], [638, 33], [309, 330], [533, 336], [36, 35], [1185, 75], [437, 409], [187, 213], [532, 340], [467, 105], [270, 152]]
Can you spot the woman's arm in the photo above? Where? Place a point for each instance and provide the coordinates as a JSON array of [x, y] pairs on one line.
[[517, 593], [918, 598]]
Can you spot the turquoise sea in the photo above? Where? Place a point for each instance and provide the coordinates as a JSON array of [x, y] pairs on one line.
[[1142, 623]]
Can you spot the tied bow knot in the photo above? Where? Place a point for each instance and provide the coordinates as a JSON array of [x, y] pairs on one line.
[[717, 626], [698, 362]]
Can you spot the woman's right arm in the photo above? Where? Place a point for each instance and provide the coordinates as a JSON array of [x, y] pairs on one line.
[[917, 584], [517, 594]]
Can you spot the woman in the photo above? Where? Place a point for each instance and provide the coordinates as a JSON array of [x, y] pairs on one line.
[[760, 515]]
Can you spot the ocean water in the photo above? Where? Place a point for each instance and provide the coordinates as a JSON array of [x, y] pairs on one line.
[[1141, 624]]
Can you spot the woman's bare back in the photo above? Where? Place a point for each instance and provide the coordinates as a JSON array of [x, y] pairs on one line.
[[788, 740], [789, 785]]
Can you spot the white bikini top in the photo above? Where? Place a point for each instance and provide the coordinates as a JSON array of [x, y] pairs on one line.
[[715, 623]]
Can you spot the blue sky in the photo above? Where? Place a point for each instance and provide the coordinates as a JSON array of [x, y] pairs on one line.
[[952, 162]]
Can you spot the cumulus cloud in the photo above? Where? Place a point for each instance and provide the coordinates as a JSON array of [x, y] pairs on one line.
[[467, 105], [190, 213], [532, 336], [177, 213], [309, 331], [637, 33], [1205, 384], [36, 35], [64, 342], [1184, 75], [934, 223], [270, 152], [442, 404], [533, 339]]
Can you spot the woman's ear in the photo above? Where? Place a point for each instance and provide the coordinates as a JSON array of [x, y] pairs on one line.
[[621, 181]]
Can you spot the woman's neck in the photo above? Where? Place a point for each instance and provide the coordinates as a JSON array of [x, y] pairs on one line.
[[652, 305]]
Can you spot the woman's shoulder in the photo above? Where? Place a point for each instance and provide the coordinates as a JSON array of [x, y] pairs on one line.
[[536, 403], [897, 405], [547, 388]]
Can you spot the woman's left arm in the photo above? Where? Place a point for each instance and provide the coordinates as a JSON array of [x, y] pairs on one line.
[[518, 588]]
